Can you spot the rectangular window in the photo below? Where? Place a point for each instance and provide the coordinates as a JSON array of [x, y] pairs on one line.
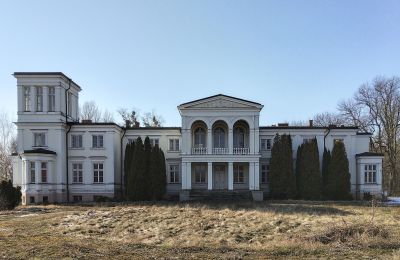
[[77, 176], [43, 171], [265, 144], [52, 99], [31, 199], [32, 171], [154, 141], [174, 173], [69, 107], [77, 198], [27, 98], [97, 141], [200, 173], [39, 139], [264, 173], [45, 199], [76, 141], [39, 98], [238, 174], [98, 172], [370, 173], [174, 144]]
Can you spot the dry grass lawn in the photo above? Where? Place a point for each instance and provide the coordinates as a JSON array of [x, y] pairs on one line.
[[238, 230]]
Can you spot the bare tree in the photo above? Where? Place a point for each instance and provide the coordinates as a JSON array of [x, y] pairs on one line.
[[327, 118], [7, 145], [107, 117], [130, 118], [90, 111], [375, 107], [152, 120]]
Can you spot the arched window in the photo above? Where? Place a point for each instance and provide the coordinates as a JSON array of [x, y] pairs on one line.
[[238, 137], [219, 137], [200, 137]]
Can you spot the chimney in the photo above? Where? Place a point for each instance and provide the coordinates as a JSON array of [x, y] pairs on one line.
[[86, 121], [310, 123]]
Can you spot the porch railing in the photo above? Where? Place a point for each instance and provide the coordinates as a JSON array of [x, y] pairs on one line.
[[199, 150], [241, 150], [218, 150]]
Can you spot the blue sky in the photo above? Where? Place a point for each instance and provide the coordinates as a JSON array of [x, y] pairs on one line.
[[296, 57]]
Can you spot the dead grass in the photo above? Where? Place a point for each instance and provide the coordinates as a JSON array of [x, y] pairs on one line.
[[202, 230]]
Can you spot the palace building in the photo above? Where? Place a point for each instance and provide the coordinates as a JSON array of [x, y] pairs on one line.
[[219, 147]]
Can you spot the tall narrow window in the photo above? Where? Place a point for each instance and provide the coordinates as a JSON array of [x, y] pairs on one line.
[[98, 172], [44, 172], [269, 144], [174, 173], [39, 98], [200, 137], [238, 174], [264, 173], [219, 138], [97, 141], [32, 172], [52, 99], [39, 139], [76, 141], [27, 98], [200, 173], [69, 104], [238, 137], [77, 176], [174, 144], [370, 173]]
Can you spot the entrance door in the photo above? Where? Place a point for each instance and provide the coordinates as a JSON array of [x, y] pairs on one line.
[[219, 177]]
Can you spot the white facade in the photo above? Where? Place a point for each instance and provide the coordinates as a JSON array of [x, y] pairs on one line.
[[220, 146]]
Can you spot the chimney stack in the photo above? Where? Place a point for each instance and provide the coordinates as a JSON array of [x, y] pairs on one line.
[[310, 123]]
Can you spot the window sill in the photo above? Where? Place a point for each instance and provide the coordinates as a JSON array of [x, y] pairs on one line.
[[97, 183], [36, 147], [370, 183], [173, 151], [76, 148], [76, 183], [97, 148]]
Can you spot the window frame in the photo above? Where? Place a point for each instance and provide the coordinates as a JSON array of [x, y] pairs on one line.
[[27, 98], [98, 142], [238, 174], [174, 145], [200, 139], [35, 135], [51, 99], [370, 173], [44, 172], [200, 174], [32, 172], [174, 174], [265, 168], [77, 172], [98, 173], [80, 141], [39, 98]]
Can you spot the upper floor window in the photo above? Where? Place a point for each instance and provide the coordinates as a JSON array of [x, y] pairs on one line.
[[174, 144], [97, 141], [200, 137], [76, 141], [154, 141], [174, 173], [98, 172], [39, 98], [264, 173], [370, 173], [238, 173], [77, 176], [32, 172], [200, 173], [52, 99], [27, 98], [238, 137], [39, 139], [44, 171], [69, 104], [265, 144], [219, 137]]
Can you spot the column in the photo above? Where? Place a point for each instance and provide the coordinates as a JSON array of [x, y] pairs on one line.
[[189, 176], [25, 176], [57, 90], [209, 141], [38, 176], [184, 176], [251, 176], [251, 141], [210, 177], [21, 96], [49, 172], [230, 141], [33, 98], [257, 141], [45, 99], [256, 176], [230, 176]]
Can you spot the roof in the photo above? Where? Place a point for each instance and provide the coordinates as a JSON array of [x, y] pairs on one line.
[[369, 154], [45, 74], [96, 124], [220, 95], [309, 127], [40, 151], [155, 128]]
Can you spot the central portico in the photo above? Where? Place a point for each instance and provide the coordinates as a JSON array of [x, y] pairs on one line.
[[220, 144]]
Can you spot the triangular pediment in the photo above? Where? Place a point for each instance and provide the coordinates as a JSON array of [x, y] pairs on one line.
[[221, 102]]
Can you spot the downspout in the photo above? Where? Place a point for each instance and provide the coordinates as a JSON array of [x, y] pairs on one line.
[[329, 130], [66, 138], [122, 163]]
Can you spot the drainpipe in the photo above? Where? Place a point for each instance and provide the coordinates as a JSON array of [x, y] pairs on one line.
[[329, 130], [66, 138], [122, 163]]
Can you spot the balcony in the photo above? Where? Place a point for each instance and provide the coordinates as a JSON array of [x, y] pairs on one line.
[[199, 150], [241, 151], [218, 150]]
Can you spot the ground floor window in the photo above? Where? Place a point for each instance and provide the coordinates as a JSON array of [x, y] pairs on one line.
[[32, 172], [31, 199], [98, 172], [264, 173], [370, 173], [77, 198], [238, 173], [77, 176], [44, 172], [45, 199], [174, 173], [200, 173]]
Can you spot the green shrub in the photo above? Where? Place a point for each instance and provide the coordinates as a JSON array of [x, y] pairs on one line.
[[10, 197]]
